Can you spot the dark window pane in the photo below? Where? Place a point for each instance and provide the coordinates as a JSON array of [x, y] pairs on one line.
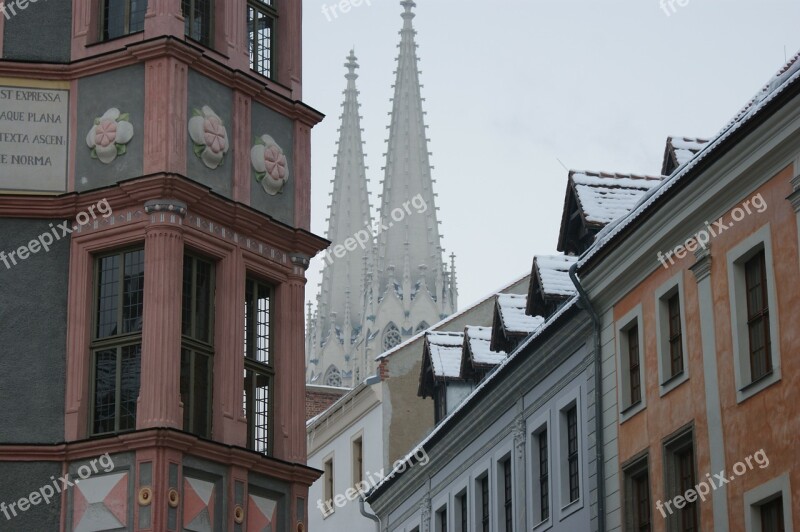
[[572, 453], [133, 296], [129, 394], [202, 399], [758, 316], [107, 296], [633, 364], [105, 391], [675, 335], [544, 478], [772, 516]]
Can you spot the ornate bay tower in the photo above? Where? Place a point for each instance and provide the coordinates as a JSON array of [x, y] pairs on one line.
[[396, 284]]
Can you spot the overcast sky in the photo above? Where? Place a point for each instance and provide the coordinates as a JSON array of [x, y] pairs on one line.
[[514, 86]]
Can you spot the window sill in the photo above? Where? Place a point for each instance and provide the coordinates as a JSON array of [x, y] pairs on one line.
[[547, 524], [629, 411], [673, 382], [570, 508], [756, 386], [99, 42]]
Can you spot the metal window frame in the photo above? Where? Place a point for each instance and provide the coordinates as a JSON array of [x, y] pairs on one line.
[[116, 342], [758, 315], [102, 19], [260, 368], [270, 11]]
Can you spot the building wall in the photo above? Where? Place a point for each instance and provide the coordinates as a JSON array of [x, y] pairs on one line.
[[33, 313], [730, 422], [339, 448], [502, 424]]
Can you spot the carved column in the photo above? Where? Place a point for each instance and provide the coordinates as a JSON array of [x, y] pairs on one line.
[[520, 467], [290, 429], [159, 392]]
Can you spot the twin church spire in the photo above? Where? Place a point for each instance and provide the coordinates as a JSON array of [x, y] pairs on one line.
[[388, 279]]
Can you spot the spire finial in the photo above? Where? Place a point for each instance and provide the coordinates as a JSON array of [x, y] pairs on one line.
[[408, 15], [351, 65]]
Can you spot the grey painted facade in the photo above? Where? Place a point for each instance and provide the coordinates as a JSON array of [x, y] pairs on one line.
[[41, 32], [267, 122], [204, 91], [96, 95], [32, 347], [549, 374], [20, 480]]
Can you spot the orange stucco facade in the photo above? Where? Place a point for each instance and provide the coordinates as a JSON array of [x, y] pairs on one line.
[[766, 420]]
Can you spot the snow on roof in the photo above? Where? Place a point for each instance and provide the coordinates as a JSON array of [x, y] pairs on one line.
[[402, 464], [445, 349], [512, 313], [553, 271], [785, 77], [605, 197], [685, 148], [478, 342]]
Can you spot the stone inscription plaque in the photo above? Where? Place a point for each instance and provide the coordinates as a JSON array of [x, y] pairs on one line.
[[33, 139]]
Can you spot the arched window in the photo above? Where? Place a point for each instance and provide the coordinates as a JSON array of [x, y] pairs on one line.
[[333, 377], [422, 326], [391, 337]]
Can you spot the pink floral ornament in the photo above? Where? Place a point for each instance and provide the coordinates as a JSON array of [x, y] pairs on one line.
[[270, 165], [209, 136], [109, 135]]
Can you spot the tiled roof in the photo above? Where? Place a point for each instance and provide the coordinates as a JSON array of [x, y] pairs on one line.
[[446, 349], [512, 313], [553, 272], [603, 197], [477, 346]]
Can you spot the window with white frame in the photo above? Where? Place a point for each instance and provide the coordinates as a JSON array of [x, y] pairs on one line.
[[636, 504], [505, 488], [768, 507], [327, 486], [540, 473], [482, 503], [461, 512], [630, 362], [441, 519], [671, 334], [679, 477], [570, 446], [754, 314]]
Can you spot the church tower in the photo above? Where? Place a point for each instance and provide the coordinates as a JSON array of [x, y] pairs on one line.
[[387, 289], [412, 287], [334, 332]]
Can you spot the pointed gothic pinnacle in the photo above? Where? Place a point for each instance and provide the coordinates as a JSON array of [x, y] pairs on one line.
[[408, 15], [351, 66]]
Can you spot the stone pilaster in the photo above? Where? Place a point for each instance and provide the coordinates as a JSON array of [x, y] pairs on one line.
[[159, 393]]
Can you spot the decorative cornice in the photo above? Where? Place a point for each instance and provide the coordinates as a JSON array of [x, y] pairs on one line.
[[275, 96], [794, 197], [702, 266], [244, 225], [164, 439], [166, 205]]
